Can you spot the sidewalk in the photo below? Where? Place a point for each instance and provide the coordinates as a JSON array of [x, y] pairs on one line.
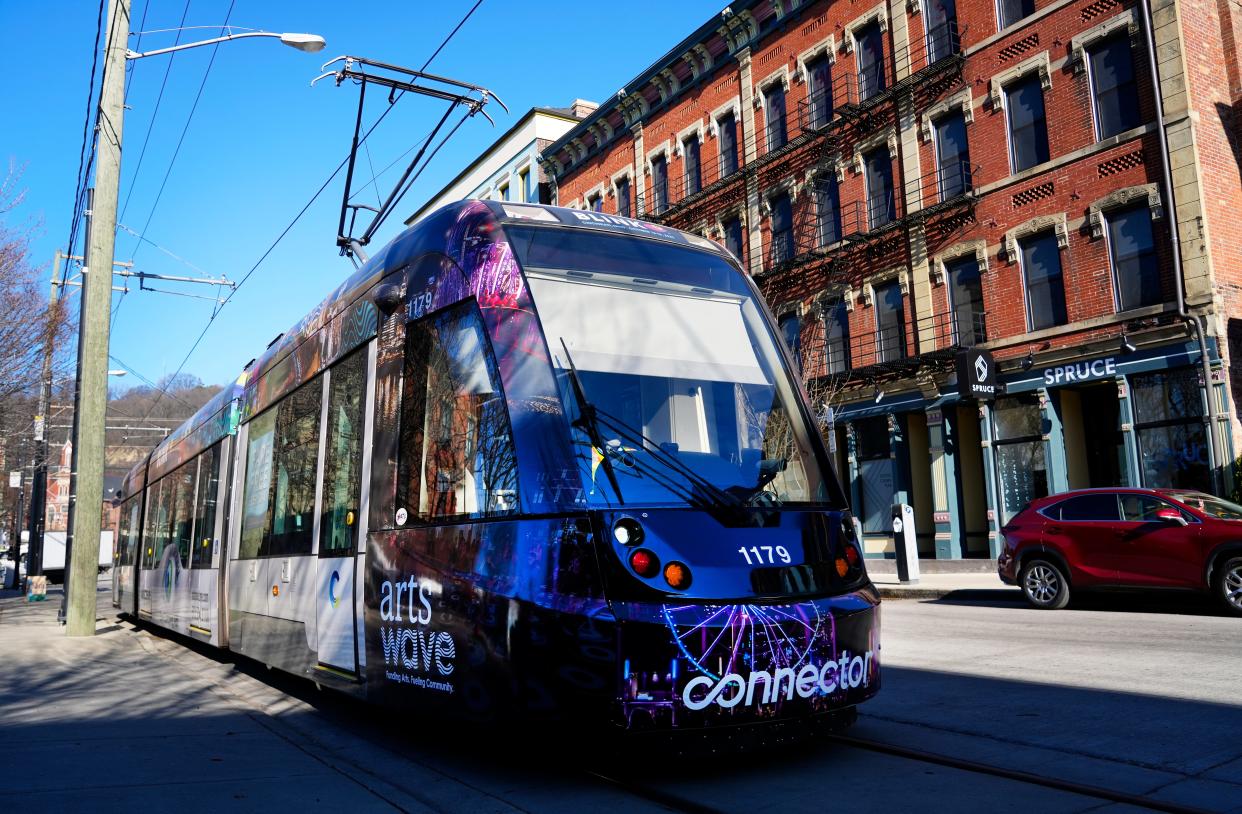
[[122, 722], [129, 721]]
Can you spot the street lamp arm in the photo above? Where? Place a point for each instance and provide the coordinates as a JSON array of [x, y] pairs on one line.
[[303, 42]]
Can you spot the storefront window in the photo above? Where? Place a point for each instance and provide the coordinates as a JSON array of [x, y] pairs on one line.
[[875, 473], [1021, 468], [1172, 436]]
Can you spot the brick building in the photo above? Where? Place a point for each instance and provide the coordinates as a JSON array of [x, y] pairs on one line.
[[908, 179]]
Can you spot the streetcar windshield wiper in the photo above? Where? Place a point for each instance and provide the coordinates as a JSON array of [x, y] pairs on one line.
[[588, 422], [769, 468], [703, 492]]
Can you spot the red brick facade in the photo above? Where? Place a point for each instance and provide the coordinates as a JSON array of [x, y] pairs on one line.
[[736, 61]]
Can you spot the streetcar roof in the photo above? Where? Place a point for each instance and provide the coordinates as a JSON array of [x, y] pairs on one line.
[[254, 389]]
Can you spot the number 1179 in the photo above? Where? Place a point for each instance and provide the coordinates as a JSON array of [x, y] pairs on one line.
[[765, 554]]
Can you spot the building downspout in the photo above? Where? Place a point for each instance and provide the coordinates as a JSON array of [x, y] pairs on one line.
[[1215, 461]]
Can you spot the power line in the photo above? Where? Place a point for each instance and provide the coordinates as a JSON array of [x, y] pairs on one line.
[[87, 138], [152, 385], [216, 311], [133, 63], [185, 129], [374, 175], [155, 112], [450, 36]]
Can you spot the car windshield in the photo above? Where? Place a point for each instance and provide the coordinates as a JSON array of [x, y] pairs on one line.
[[680, 395], [1209, 505]]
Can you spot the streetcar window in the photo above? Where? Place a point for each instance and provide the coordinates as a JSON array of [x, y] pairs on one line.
[[282, 458], [205, 509], [157, 523], [342, 470], [295, 458], [256, 494], [131, 511], [182, 505], [456, 450]]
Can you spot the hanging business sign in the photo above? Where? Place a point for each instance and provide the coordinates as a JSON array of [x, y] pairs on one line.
[[976, 374]]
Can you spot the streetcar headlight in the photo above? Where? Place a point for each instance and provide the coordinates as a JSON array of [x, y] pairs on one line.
[[644, 562], [627, 531], [677, 575]]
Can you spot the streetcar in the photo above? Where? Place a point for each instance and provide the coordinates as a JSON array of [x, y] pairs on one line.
[[527, 462]]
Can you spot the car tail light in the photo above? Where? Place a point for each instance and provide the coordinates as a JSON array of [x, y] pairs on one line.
[[843, 567], [677, 575], [644, 562]]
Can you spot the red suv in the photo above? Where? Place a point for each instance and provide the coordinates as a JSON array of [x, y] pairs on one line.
[[1132, 538]]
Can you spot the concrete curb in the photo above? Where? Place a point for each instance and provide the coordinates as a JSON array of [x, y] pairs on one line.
[[961, 594]]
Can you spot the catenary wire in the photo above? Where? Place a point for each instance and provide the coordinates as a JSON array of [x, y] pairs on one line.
[[87, 138], [374, 175]]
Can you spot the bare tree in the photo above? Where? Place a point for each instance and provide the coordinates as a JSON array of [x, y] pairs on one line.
[[26, 324]]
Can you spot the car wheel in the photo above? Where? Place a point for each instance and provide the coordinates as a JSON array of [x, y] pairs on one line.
[[1227, 585], [1045, 585]]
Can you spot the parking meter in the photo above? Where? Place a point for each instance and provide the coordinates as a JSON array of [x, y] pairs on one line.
[[905, 543]]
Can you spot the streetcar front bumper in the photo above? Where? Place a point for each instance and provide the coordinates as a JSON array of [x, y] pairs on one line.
[[695, 665]]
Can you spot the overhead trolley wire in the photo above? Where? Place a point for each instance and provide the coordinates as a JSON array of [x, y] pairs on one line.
[[375, 175], [217, 310]]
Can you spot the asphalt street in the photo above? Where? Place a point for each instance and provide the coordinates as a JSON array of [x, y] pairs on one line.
[[1114, 695]]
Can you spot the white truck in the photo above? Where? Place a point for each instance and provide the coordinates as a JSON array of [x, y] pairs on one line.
[[54, 554]]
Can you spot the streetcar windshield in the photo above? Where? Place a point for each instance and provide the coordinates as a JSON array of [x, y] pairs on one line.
[[676, 389]]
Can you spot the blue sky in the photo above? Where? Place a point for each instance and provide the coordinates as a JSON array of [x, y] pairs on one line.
[[262, 140]]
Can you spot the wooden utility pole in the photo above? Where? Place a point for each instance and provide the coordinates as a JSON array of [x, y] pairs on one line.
[[38, 485], [88, 443]]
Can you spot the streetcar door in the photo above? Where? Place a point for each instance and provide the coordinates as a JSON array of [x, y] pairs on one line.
[[341, 515]]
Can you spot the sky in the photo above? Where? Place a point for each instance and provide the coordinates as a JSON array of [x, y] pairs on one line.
[[261, 140]]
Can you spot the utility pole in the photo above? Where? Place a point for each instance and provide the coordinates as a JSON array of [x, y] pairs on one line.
[[17, 526], [88, 442], [67, 575], [38, 486]]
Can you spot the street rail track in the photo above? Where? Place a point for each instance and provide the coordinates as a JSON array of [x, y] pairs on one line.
[[1070, 786], [677, 802]]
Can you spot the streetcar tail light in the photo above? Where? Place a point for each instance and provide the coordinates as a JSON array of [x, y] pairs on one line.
[[644, 563], [627, 531], [677, 575]]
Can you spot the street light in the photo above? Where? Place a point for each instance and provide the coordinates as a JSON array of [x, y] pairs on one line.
[[310, 43], [88, 442], [117, 372]]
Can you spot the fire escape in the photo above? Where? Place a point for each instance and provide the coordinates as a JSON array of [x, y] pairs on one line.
[[834, 244]]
